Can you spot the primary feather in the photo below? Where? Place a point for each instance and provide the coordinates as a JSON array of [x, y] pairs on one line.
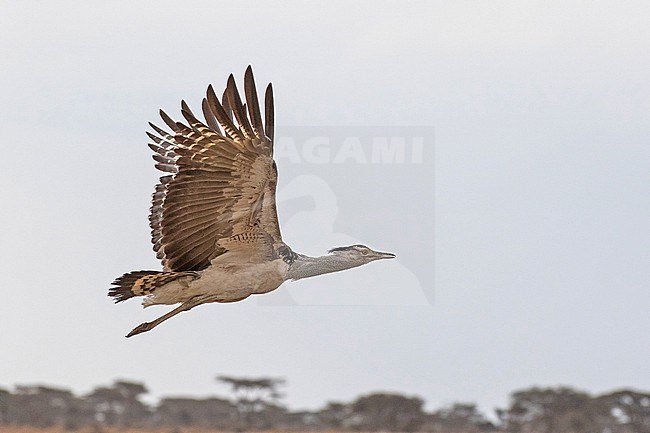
[[214, 223]]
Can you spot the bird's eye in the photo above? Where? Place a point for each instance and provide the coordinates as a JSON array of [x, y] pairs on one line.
[[364, 252]]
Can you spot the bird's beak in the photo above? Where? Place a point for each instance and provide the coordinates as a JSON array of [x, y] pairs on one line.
[[381, 255]]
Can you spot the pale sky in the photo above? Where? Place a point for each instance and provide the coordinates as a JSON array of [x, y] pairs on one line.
[[520, 224]]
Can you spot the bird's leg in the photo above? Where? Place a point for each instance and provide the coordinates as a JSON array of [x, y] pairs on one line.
[[147, 326]]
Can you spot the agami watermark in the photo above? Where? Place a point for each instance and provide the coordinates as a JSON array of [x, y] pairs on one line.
[[351, 149]]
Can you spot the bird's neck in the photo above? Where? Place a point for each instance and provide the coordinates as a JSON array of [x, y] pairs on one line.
[[306, 266]]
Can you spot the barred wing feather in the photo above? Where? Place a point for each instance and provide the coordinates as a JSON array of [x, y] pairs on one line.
[[220, 192]]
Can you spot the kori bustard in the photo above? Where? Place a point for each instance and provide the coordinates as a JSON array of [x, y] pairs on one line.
[[213, 220]]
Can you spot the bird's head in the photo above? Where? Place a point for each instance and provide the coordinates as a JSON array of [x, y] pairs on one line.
[[360, 254]]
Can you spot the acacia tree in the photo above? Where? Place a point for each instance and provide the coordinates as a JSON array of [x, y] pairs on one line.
[[256, 399], [459, 417], [387, 412], [41, 406], [334, 415], [549, 410], [624, 411], [119, 404]]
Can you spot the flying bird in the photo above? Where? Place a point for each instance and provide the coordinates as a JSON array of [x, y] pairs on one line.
[[214, 223]]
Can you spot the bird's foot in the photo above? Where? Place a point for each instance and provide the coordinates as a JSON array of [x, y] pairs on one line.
[[147, 326], [143, 327]]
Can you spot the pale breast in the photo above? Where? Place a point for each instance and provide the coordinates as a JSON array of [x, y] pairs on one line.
[[270, 275], [229, 282]]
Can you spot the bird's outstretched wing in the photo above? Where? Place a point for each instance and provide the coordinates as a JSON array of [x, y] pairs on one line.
[[220, 193]]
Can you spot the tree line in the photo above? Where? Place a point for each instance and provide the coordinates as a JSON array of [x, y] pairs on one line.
[[256, 404]]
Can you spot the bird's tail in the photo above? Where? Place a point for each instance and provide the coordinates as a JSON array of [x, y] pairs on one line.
[[141, 283]]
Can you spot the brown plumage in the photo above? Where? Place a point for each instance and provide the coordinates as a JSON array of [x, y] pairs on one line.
[[220, 180], [214, 223]]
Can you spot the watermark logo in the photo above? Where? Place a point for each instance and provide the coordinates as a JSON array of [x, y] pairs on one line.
[[351, 149], [340, 186]]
